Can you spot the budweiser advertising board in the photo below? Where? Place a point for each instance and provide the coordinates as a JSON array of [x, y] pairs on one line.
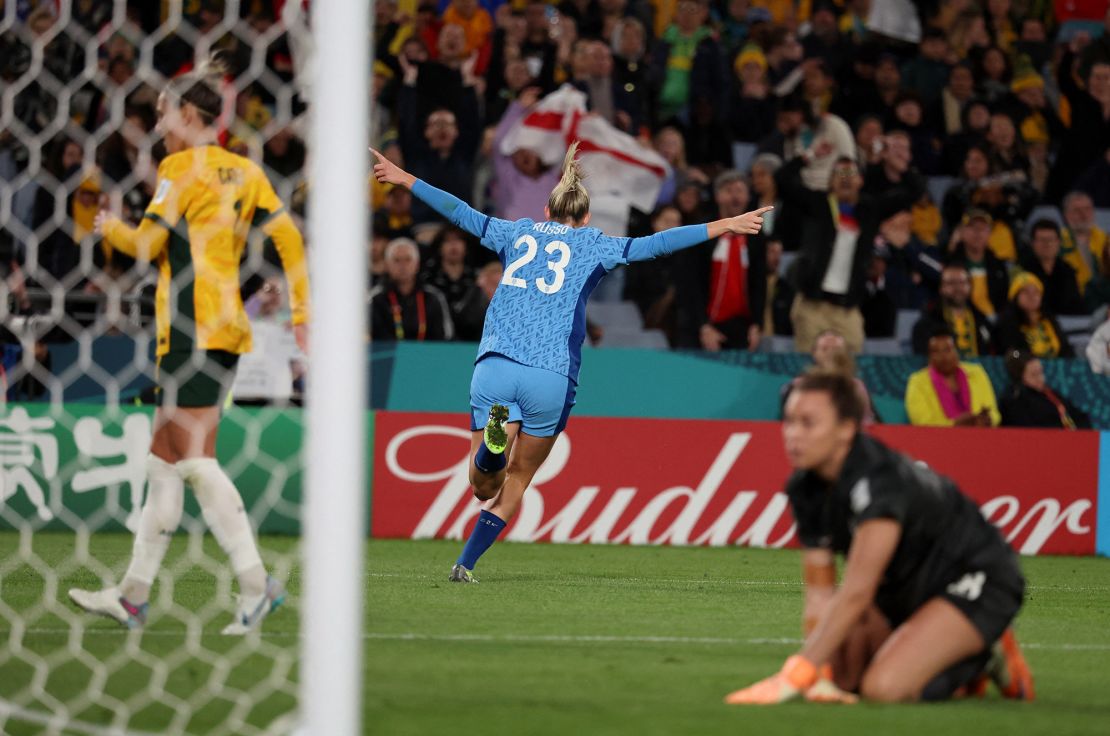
[[702, 482]]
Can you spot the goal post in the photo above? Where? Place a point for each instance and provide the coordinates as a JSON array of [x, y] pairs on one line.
[[335, 494]]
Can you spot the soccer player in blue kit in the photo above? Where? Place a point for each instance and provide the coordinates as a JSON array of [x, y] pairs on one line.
[[526, 372]]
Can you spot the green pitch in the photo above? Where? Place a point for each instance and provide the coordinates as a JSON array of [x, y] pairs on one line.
[[555, 640]]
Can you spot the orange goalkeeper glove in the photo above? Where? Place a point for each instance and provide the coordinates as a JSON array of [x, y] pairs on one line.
[[797, 675]]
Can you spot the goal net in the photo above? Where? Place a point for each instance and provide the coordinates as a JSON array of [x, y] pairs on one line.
[[79, 84]]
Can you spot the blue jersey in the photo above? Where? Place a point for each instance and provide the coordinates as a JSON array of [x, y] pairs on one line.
[[538, 313]]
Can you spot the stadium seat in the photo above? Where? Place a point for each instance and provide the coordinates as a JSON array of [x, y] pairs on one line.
[[634, 337], [1102, 218], [903, 328], [777, 344], [1072, 324], [742, 155], [787, 259], [1079, 343], [938, 185], [614, 315], [611, 288], [882, 346]]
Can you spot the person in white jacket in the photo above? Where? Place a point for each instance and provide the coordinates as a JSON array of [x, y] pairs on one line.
[[1098, 349]]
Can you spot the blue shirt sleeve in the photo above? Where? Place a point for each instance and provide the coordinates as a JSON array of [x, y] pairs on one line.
[[661, 244], [492, 231]]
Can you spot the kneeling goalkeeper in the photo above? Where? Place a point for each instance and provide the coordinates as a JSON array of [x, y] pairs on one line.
[[929, 589]]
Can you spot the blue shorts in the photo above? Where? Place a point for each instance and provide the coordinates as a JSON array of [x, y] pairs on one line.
[[539, 399]]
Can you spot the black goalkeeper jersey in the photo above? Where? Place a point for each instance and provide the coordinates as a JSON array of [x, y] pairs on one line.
[[943, 532]]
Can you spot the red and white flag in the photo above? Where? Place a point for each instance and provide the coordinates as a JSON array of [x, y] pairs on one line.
[[620, 171]]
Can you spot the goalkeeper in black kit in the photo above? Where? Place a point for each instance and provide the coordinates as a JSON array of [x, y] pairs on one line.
[[929, 589]]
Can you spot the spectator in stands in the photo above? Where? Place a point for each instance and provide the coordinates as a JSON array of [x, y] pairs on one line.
[[1097, 293], [824, 40], [510, 70], [1030, 402], [403, 307], [830, 353], [948, 393], [650, 284], [1098, 349], [522, 182], [605, 96], [948, 115], [976, 119], [909, 117], [272, 370], [928, 72], [877, 307], [476, 302], [869, 141], [440, 147], [837, 232], [1081, 241], [969, 35], [766, 192], [780, 294], [1061, 287], [475, 21], [784, 53], [990, 278], [993, 74], [454, 278], [1006, 150], [1089, 133], [752, 112], [1000, 24], [379, 240], [1026, 325], [817, 85], [1095, 181], [687, 62], [670, 144], [910, 269], [888, 85], [396, 218], [1036, 120], [719, 286], [895, 163], [827, 138], [630, 70], [690, 201], [953, 310], [586, 15]]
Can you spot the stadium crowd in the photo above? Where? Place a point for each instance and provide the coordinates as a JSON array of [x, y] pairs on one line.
[[948, 158]]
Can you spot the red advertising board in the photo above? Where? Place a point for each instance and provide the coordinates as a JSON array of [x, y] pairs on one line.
[[701, 482]]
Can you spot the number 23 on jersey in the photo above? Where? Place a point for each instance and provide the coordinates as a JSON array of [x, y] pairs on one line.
[[556, 266]]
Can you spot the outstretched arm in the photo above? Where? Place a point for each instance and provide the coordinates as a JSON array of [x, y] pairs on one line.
[[870, 554], [445, 203], [668, 241]]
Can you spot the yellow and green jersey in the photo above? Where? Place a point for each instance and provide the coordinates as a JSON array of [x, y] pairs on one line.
[[206, 202]]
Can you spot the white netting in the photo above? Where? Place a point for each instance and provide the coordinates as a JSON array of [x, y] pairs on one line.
[[79, 82]]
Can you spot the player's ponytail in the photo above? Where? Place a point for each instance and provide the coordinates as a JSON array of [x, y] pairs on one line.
[[569, 199], [201, 88]]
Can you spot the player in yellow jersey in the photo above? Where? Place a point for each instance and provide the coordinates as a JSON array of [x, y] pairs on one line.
[[206, 203]]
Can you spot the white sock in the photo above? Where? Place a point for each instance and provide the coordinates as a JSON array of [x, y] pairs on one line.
[[223, 511], [158, 520]]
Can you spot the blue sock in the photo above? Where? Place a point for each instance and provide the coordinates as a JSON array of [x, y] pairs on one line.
[[488, 462], [484, 534]]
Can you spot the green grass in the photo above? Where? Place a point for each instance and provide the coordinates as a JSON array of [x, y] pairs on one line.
[[555, 640]]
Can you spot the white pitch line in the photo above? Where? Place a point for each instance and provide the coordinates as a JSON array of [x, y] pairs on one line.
[[728, 581], [524, 638]]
